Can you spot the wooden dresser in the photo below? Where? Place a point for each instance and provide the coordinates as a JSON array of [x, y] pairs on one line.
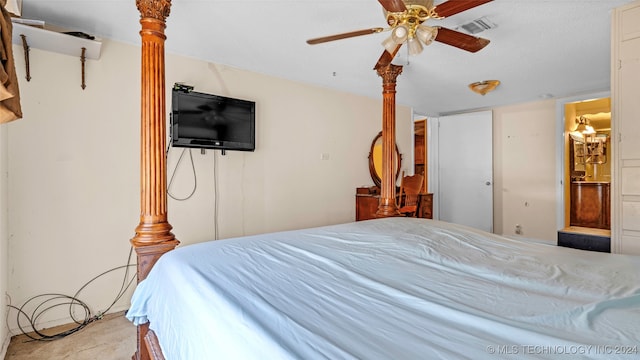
[[367, 199], [425, 206]]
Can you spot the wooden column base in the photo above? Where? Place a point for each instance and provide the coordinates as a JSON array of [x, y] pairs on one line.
[[387, 208], [147, 256]]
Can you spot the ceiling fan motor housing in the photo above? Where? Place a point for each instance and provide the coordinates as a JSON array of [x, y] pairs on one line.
[[424, 3], [415, 14]]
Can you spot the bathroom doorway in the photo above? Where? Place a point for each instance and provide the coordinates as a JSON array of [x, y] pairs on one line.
[[585, 170], [587, 175]]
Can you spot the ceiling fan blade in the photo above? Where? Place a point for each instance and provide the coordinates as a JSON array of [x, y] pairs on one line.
[[386, 58], [344, 35], [461, 40], [393, 5], [453, 7]]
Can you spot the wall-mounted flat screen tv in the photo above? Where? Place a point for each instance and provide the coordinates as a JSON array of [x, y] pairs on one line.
[[200, 120]]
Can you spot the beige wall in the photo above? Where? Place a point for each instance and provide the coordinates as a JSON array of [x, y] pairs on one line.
[[73, 164], [525, 170]]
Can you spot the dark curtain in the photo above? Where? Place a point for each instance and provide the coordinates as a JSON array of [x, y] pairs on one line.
[[10, 108]]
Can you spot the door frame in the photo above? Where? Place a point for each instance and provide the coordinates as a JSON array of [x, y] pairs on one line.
[[433, 186], [560, 153]]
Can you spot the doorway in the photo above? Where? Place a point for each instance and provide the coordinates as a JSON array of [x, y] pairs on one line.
[[587, 160], [584, 170], [465, 169]]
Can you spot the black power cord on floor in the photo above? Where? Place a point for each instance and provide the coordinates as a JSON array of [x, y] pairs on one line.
[[52, 301]]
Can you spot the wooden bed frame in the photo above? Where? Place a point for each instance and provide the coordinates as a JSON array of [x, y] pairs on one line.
[[153, 235]]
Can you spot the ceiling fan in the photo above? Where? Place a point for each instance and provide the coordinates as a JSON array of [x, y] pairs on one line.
[[405, 19]]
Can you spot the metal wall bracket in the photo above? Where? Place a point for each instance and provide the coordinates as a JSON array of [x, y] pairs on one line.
[[68, 43], [83, 58], [25, 46]]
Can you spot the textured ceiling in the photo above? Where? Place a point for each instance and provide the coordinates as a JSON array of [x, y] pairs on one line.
[[539, 49]]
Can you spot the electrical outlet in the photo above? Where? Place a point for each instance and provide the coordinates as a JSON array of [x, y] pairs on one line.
[[518, 229]]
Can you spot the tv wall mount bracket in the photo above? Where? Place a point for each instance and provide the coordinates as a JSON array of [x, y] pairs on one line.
[[182, 87]]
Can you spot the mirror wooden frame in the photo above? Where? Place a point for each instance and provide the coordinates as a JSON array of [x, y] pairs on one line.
[[375, 175]]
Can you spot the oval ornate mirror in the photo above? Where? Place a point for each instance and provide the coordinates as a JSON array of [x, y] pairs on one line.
[[375, 160]]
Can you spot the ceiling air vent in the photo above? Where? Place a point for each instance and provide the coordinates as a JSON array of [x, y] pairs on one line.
[[478, 25]]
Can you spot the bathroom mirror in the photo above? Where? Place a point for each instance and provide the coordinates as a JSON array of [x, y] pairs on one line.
[[375, 160]]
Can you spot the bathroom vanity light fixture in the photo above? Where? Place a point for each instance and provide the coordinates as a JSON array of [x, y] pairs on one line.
[[483, 87], [589, 146], [583, 128]]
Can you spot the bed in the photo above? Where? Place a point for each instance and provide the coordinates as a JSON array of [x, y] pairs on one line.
[[389, 288], [393, 288]]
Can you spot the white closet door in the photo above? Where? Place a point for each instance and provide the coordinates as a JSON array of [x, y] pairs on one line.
[[465, 168]]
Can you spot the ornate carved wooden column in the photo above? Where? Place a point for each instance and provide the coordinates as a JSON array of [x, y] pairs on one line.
[[153, 235], [387, 206]]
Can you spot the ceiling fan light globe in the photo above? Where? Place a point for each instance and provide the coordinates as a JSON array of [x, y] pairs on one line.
[[400, 34], [415, 47], [389, 44], [426, 34]]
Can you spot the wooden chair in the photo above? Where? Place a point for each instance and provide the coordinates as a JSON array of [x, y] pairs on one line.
[[410, 187]]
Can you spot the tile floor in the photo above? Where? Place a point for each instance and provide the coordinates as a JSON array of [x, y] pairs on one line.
[[112, 338]]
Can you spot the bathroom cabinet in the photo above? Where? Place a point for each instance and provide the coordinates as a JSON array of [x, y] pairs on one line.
[[590, 204]]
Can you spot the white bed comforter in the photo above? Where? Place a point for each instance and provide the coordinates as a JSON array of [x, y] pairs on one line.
[[396, 288]]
